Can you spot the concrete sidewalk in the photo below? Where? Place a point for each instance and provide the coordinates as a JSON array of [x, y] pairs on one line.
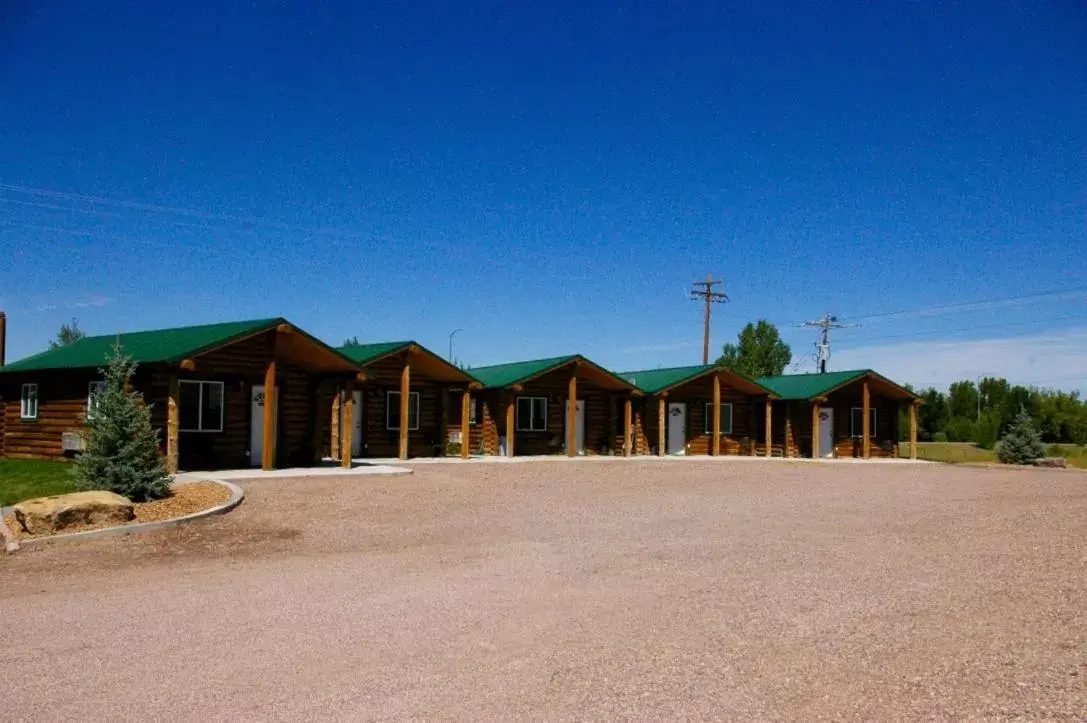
[[600, 458]]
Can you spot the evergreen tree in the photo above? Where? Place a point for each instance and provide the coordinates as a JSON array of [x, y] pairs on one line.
[[759, 351], [123, 449], [1021, 444], [68, 334]]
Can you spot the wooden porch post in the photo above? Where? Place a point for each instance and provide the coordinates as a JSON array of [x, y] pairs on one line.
[[662, 420], [405, 408], [788, 450], [334, 427], [866, 426], [268, 457], [465, 411], [769, 426], [716, 415], [172, 425], [347, 428], [571, 418], [815, 430], [913, 430], [511, 423], [626, 427]]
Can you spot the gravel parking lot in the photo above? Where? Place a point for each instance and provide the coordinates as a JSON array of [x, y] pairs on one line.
[[573, 590]]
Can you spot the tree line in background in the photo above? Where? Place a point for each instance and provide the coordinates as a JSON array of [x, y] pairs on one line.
[[983, 412]]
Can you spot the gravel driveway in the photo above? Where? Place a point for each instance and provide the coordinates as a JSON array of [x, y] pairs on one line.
[[636, 589]]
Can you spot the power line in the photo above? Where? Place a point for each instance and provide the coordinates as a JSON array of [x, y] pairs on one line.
[[825, 324], [704, 291], [180, 210], [1001, 324], [966, 306]]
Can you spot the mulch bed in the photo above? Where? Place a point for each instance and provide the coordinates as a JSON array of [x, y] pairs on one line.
[[183, 500]]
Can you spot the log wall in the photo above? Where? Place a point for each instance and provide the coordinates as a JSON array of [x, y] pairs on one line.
[[746, 417]]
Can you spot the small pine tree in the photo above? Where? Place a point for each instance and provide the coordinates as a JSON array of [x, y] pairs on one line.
[[123, 449], [1021, 444]]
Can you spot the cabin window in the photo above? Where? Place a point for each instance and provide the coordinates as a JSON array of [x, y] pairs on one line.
[[392, 410], [95, 390], [201, 406], [857, 419], [531, 414], [726, 418], [473, 410], [28, 402]]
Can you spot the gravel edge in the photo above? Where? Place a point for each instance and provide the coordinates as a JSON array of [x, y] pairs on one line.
[[11, 543]]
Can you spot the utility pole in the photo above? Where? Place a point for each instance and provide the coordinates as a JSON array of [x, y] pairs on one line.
[[703, 291], [825, 324]]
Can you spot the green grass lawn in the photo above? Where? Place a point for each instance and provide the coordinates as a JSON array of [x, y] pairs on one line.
[[970, 452], [949, 452], [22, 479]]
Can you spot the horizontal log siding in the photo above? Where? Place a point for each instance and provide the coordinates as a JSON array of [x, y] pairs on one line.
[[492, 421], [842, 402], [554, 387], [62, 405], [845, 445], [381, 442], [452, 424], [696, 394], [240, 366]]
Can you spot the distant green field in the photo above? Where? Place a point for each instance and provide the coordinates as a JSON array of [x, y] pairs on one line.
[[949, 452], [970, 452]]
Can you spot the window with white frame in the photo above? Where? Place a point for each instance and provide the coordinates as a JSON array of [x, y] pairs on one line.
[[726, 418], [200, 406], [94, 392], [531, 414], [392, 410], [857, 422], [28, 402]]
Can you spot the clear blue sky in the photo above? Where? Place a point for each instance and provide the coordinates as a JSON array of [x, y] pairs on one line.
[[552, 176]]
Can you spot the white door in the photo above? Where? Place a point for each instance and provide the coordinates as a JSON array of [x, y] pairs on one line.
[[579, 423], [826, 432], [677, 427], [256, 425]]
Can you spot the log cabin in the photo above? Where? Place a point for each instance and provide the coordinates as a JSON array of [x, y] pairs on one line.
[[679, 411], [208, 388], [525, 409], [855, 412], [404, 380]]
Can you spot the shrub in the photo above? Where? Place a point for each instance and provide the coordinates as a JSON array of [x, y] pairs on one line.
[[939, 437], [122, 453], [985, 432], [1021, 444]]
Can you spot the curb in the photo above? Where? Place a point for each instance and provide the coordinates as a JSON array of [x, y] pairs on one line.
[[236, 498]]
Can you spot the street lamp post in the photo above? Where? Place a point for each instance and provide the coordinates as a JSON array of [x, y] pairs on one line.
[[451, 335]]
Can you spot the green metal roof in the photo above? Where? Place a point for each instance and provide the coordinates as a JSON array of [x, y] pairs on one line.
[[806, 386], [161, 345], [652, 381], [363, 353], [503, 375]]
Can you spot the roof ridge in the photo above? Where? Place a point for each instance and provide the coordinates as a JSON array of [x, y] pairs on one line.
[[667, 369], [375, 343], [526, 361], [814, 374], [171, 328]]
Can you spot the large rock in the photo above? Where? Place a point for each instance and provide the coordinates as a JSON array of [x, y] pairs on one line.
[[1051, 462], [45, 515]]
